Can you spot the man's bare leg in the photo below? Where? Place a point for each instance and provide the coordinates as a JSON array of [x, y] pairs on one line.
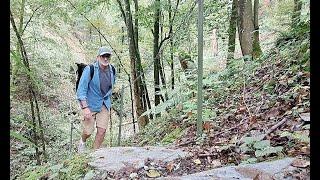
[[99, 137]]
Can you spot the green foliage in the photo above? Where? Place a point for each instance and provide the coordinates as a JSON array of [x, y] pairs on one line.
[[172, 136], [267, 150], [33, 172], [189, 106], [21, 137], [259, 146], [296, 136], [209, 114], [249, 161], [73, 168]]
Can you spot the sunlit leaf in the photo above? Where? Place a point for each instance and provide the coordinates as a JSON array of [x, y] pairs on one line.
[[153, 173], [197, 161]]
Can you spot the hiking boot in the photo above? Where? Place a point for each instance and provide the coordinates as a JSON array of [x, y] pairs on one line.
[[81, 146]]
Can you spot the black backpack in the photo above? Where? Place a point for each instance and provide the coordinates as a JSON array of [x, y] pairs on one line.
[[80, 68]]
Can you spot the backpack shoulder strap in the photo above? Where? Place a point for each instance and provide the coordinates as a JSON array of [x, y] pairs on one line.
[[91, 71], [113, 69]]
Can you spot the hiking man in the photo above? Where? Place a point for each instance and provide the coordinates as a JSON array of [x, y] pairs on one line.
[[94, 96]]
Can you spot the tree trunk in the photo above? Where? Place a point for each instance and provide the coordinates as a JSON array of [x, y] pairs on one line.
[[245, 28], [142, 121], [132, 109], [156, 52], [200, 69], [20, 29], [34, 129], [138, 61], [256, 43], [143, 91], [161, 65], [296, 13], [41, 128], [163, 79], [171, 64], [171, 41], [232, 31], [30, 88]]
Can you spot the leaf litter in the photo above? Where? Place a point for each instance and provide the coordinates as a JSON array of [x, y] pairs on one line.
[[255, 111]]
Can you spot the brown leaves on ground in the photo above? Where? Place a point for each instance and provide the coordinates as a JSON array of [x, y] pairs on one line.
[[301, 163], [274, 92]]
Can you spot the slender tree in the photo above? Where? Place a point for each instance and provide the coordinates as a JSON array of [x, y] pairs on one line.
[[161, 71], [256, 43], [171, 44], [31, 93], [171, 19], [156, 56], [143, 91], [200, 68], [245, 27], [232, 31], [134, 55]]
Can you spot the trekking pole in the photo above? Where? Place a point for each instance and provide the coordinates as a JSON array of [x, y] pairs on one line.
[[120, 121], [110, 128], [71, 128], [70, 148]]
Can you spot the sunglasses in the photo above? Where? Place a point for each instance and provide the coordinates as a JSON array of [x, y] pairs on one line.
[[106, 56]]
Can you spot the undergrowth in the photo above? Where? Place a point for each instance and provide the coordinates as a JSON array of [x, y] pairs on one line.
[[73, 168], [278, 75]]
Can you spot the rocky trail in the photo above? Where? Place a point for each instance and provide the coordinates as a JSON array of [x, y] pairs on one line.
[[171, 163]]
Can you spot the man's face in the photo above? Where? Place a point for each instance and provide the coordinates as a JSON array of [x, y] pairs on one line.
[[104, 59]]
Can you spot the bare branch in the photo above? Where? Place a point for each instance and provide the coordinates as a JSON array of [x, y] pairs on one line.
[[98, 30], [30, 18], [122, 11]]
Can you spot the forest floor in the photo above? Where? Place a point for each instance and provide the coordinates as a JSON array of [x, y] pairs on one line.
[[265, 119], [262, 115]]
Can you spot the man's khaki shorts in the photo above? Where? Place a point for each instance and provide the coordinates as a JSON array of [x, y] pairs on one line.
[[100, 118]]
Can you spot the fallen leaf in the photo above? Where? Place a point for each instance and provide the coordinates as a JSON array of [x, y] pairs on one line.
[[305, 116], [288, 112], [300, 163], [153, 173], [215, 163], [208, 159], [133, 175], [272, 113], [305, 150], [170, 166], [197, 161], [242, 109], [207, 125], [177, 166], [253, 119]]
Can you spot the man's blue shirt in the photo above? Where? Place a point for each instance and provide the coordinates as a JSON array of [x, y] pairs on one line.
[[90, 90]]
